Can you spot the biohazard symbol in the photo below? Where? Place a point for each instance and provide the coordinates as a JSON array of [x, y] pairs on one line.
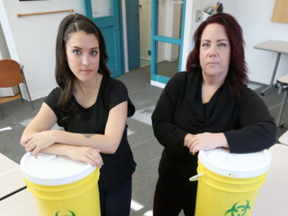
[[238, 209], [65, 213]]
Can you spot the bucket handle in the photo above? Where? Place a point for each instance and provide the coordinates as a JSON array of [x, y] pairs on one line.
[[196, 177]]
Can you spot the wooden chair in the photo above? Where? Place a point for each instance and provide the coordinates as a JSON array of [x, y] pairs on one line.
[[11, 74]]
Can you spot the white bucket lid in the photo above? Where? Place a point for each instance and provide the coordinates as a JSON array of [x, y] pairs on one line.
[[49, 169], [222, 162]]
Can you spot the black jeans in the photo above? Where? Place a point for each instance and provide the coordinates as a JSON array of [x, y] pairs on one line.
[[172, 205], [116, 202]]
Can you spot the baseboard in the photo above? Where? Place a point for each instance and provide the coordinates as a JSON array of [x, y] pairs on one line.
[[36, 96], [157, 84]]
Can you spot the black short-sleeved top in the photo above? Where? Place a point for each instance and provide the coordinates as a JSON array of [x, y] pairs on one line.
[[246, 123], [118, 167]]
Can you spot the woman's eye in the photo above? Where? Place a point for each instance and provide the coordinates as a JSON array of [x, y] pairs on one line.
[[222, 44], [94, 53], [205, 45], [76, 51]]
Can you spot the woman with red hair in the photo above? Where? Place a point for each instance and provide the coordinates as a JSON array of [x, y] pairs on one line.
[[208, 106]]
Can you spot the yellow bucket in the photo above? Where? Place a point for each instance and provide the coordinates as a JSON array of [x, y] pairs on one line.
[[228, 184], [61, 186]]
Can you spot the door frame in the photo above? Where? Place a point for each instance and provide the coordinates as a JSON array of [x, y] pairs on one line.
[[133, 34], [159, 80], [120, 16]]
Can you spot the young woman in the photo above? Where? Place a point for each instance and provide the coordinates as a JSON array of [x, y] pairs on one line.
[[93, 108], [208, 106]]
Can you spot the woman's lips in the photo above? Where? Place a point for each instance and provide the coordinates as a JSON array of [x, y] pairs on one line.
[[86, 71], [212, 63]]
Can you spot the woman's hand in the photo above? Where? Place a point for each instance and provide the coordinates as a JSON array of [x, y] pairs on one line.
[[188, 139], [38, 141], [207, 141], [86, 154]]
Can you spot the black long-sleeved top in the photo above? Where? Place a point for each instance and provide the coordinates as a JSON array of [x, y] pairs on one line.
[[246, 123]]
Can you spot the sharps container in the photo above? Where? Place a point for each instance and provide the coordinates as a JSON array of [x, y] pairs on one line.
[[61, 186], [228, 184]]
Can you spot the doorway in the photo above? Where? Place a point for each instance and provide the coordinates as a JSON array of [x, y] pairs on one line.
[[170, 16], [138, 22], [145, 8], [164, 54], [167, 33]]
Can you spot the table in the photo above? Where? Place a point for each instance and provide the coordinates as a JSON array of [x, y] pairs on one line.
[[272, 198], [11, 179], [282, 82], [22, 203], [280, 47]]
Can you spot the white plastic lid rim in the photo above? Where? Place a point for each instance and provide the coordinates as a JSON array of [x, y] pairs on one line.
[[222, 162], [51, 170]]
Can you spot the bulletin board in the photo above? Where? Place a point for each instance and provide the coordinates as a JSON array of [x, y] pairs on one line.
[[280, 12]]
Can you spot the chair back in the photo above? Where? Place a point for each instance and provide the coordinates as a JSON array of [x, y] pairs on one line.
[[10, 73]]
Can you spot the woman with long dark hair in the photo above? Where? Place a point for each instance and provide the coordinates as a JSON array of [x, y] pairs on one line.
[[208, 106], [93, 108]]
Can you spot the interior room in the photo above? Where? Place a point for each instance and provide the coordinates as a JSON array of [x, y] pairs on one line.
[[30, 40]]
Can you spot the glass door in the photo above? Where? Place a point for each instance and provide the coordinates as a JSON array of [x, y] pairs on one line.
[[167, 39]]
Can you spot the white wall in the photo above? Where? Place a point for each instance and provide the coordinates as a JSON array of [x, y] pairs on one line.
[[31, 39], [4, 53], [255, 18]]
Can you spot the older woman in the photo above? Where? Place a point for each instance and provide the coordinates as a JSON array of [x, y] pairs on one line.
[[207, 107]]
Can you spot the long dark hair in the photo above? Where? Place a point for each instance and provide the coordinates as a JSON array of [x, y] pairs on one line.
[[237, 73], [64, 76]]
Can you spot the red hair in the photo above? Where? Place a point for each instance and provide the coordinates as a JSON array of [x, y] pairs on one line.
[[237, 73]]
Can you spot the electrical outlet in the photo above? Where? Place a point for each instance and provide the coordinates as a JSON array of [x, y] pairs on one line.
[[198, 15]]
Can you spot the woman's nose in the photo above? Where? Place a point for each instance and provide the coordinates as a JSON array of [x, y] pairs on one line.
[[85, 60], [213, 50]]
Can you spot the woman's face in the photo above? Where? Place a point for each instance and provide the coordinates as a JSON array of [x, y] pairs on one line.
[[83, 55], [215, 52]]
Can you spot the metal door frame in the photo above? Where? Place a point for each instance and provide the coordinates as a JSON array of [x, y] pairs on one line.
[[157, 38]]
